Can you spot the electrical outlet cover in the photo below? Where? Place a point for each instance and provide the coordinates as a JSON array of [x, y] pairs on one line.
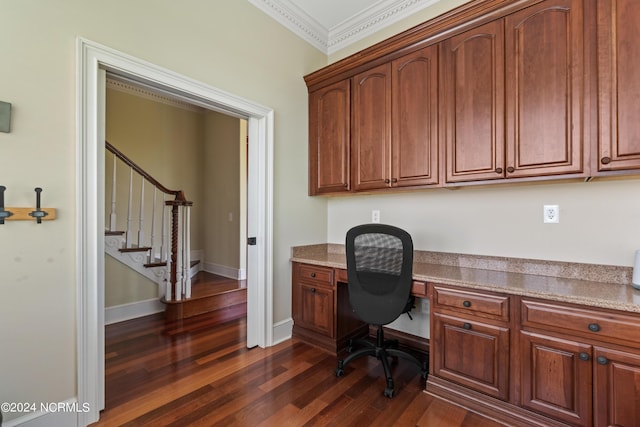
[[551, 214]]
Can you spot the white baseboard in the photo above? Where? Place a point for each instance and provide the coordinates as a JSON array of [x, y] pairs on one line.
[[120, 313], [222, 270], [282, 331], [54, 414]]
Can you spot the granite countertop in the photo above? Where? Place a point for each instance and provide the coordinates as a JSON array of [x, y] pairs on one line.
[[588, 284]]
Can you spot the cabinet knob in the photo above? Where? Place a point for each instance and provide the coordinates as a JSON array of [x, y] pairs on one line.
[[394, 180], [511, 169], [345, 185], [584, 356], [386, 181], [602, 360], [313, 274], [466, 303], [467, 326], [605, 160], [594, 327], [498, 170], [313, 290]]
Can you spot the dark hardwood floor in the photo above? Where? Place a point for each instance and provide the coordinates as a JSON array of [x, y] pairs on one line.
[[198, 372]]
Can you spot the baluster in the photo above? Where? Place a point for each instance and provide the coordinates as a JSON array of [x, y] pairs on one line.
[[128, 235], [152, 256], [112, 216], [187, 251], [141, 218], [164, 237]]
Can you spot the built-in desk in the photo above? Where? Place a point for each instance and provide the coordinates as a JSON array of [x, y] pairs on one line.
[[526, 342]]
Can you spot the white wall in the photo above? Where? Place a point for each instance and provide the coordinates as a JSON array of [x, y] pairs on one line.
[[228, 44]]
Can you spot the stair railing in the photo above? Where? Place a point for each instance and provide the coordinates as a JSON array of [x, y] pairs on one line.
[[174, 247]]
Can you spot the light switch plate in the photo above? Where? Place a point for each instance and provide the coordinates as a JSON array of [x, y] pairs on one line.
[[5, 117]]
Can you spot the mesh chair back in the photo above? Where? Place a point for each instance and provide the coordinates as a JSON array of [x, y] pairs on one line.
[[379, 270]]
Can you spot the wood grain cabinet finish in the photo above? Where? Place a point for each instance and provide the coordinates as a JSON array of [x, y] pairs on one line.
[[470, 338], [329, 139], [557, 377], [545, 89], [395, 123], [616, 387], [321, 311], [538, 100], [618, 85], [473, 104], [580, 365]]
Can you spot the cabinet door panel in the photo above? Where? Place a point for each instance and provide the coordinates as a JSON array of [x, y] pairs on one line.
[[473, 99], [617, 388], [329, 135], [555, 380], [544, 92], [618, 84], [415, 118], [371, 139], [485, 368], [316, 309]]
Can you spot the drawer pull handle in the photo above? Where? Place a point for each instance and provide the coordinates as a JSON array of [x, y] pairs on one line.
[[594, 327], [467, 326], [313, 274], [466, 303], [605, 160], [584, 356], [602, 360]]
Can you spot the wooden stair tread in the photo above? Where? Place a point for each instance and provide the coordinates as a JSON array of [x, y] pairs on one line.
[[133, 249]]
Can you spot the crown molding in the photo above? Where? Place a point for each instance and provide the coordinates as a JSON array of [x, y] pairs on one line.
[[331, 40]]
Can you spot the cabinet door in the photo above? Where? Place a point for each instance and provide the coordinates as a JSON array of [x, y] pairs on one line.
[[473, 80], [329, 135], [544, 89], [616, 388], [618, 85], [556, 377], [414, 92], [316, 309], [472, 354], [371, 137]]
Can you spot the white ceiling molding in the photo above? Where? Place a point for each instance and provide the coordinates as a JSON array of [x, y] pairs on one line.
[[354, 28]]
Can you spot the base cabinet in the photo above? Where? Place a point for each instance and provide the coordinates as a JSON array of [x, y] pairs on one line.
[[556, 377], [616, 387], [322, 315]]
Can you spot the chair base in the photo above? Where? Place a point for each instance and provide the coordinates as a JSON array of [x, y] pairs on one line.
[[382, 350]]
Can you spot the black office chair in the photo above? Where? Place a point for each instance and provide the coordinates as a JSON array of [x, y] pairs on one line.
[[379, 271]]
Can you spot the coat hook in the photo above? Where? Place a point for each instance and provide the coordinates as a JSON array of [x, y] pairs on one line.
[[3, 213], [38, 214]]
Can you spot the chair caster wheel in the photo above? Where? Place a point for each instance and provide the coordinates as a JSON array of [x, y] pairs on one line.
[[339, 372], [388, 392]]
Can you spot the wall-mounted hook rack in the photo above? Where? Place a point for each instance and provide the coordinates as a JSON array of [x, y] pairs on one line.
[[25, 214]]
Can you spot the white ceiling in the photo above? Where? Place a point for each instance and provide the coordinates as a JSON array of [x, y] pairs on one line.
[[331, 25]]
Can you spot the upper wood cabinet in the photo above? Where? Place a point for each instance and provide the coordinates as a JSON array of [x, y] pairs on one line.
[[527, 121], [618, 85], [329, 138], [395, 123], [473, 103], [544, 89]]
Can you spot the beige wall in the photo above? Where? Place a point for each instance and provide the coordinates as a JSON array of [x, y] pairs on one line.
[[222, 153], [228, 44]]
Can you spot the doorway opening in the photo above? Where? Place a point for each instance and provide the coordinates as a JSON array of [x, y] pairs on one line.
[[93, 63]]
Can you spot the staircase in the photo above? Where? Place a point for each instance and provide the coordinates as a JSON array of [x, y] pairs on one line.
[[152, 237]]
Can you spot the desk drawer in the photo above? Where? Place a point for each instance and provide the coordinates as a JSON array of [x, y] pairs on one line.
[[594, 323], [316, 274], [475, 303]]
